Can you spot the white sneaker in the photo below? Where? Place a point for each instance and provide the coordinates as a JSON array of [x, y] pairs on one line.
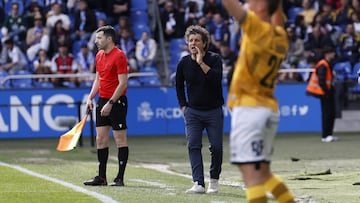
[[196, 189], [213, 186], [329, 138]]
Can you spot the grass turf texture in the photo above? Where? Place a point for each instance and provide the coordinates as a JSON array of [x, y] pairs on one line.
[[299, 159]]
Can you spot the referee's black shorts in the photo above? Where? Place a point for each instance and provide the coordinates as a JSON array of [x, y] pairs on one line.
[[117, 117]]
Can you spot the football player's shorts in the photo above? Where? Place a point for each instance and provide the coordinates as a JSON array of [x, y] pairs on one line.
[[253, 130]]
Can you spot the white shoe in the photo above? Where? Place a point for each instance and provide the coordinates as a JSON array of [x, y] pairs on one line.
[[196, 189], [329, 138], [213, 186]]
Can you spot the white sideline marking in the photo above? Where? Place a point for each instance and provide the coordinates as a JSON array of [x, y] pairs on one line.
[[165, 169], [96, 195], [156, 184]]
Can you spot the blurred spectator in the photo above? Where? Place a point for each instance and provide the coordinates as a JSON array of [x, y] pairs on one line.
[[48, 6], [127, 45], [2, 16], [343, 14], [192, 13], [327, 14], [290, 77], [71, 6], [350, 44], [85, 60], [319, 21], [296, 48], [37, 38], [123, 23], [85, 21], [355, 17], [55, 15], [325, 19], [308, 12], [42, 65], [3, 54], [33, 9], [145, 49], [219, 32], [91, 43], [63, 63], [316, 41], [210, 8], [14, 25], [203, 22], [172, 21], [92, 4], [291, 3], [235, 35], [16, 59], [311, 62], [117, 8], [200, 5], [59, 36], [300, 27], [355, 4], [335, 4], [228, 56]]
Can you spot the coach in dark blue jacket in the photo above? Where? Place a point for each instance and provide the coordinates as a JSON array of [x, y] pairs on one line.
[[201, 72]]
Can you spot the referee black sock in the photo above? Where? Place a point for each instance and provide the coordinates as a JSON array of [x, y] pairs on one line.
[[103, 155], [123, 154]]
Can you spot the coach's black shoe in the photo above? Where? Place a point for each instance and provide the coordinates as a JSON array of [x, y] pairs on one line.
[[117, 182], [97, 181]]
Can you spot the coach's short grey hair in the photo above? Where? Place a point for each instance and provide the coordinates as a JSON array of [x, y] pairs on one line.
[[197, 29]]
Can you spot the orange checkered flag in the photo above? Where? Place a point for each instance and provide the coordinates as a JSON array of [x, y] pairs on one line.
[[69, 140]]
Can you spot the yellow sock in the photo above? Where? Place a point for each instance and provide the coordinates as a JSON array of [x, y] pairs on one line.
[[256, 194], [278, 188]]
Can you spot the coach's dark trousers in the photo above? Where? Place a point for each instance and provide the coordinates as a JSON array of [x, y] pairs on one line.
[[195, 123], [328, 113]]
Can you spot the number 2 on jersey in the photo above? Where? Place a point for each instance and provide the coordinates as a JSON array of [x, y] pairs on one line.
[[269, 79]]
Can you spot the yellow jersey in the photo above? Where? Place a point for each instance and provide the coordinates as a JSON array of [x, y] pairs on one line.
[[263, 47]]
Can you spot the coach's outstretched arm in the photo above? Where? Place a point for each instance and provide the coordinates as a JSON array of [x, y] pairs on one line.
[[235, 8]]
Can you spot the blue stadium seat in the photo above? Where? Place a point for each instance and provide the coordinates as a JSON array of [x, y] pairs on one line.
[[72, 22], [150, 81], [139, 29], [305, 75], [24, 82], [4, 74], [176, 44], [148, 70], [77, 46], [68, 84], [139, 5], [86, 84], [133, 82], [28, 2], [48, 85], [174, 59], [139, 16], [9, 3], [356, 69], [100, 15], [293, 12], [343, 70]]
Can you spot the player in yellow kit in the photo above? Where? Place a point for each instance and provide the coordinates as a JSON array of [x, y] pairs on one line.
[[251, 96]]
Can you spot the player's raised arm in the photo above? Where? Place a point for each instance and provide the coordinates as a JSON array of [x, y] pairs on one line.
[[235, 8], [277, 19]]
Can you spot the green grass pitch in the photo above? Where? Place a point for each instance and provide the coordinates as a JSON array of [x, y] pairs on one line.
[[159, 171]]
